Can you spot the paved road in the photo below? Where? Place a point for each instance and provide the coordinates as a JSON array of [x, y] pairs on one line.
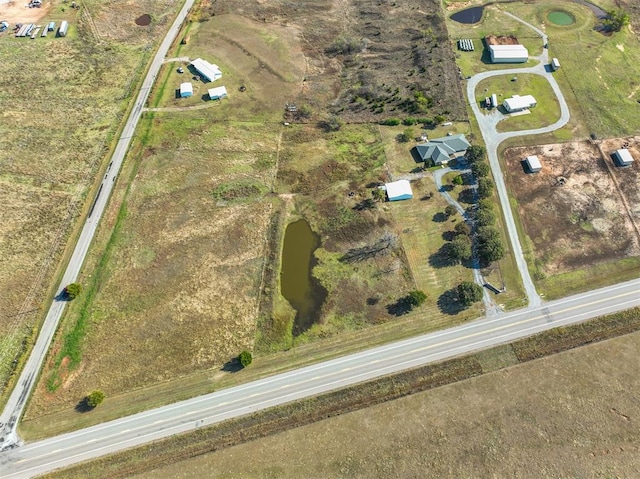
[[493, 139], [43, 456], [16, 403]]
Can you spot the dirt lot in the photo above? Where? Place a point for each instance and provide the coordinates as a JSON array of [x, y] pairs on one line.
[[569, 415], [367, 59], [575, 211], [17, 12], [501, 40]]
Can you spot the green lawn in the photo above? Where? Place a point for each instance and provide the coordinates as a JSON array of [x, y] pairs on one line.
[[546, 112]]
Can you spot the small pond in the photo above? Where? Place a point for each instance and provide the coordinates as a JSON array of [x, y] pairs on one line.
[[560, 17], [298, 286], [143, 20], [470, 15]]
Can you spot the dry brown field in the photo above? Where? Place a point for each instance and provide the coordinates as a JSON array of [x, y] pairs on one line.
[[580, 210], [62, 100], [569, 415]]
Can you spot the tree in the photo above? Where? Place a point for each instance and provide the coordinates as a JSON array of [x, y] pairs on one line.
[[94, 399], [490, 247], [460, 248], [416, 298], [450, 210], [615, 20], [462, 228], [480, 169], [245, 358], [485, 216], [469, 293], [333, 123], [378, 195], [485, 187], [458, 180], [73, 290], [475, 153]]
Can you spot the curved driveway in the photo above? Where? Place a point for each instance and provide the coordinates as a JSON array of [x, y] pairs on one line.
[[492, 139]]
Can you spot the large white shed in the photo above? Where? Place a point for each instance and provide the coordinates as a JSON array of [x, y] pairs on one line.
[[519, 103], [623, 157], [508, 53], [217, 93], [208, 71], [533, 163], [399, 190], [186, 90]]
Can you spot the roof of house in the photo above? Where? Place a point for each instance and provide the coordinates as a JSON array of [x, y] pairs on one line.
[[439, 149], [534, 162], [508, 51], [217, 92], [208, 70], [517, 102], [186, 87], [399, 189], [624, 155]]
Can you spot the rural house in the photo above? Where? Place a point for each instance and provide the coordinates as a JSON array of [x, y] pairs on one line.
[[519, 103], [399, 190], [440, 150], [208, 71]]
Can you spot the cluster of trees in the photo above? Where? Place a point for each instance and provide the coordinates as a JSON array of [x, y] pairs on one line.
[[469, 293], [615, 20], [407, 303]]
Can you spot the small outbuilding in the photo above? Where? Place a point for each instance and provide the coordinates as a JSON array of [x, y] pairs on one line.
[[186, 90], [399, 190], [508, 53], [63, 28], [623, 157], [533, 164], [217, 93], [519, 103], [555, 64]]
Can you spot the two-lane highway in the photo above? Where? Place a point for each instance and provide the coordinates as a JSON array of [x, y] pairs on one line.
[[43, 456]]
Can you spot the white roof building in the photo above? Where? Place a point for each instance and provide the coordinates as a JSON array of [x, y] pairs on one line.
[[519, 103], [399, 190], [208, 71], [508, 53], [533, 163], [217, 93], [623, 157]]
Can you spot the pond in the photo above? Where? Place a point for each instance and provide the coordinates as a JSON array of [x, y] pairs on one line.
[[143, 20], [470, 15], [560, 17], [298, 286]]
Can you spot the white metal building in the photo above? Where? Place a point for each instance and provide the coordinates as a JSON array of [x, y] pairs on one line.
[[217, 93], [519, 103], [186, 90], [508, 53], [208, 71], [399, 190], [623, 157], [555, 64], [533, 163], [63, 28]]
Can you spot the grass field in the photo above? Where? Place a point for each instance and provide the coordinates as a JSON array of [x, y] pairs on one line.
[[62, 102], [546, 111], [539, 419], [186, 252], [608, 98], [542, 398]]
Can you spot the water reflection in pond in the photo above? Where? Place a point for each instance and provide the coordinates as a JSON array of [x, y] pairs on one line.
[[298, 286]]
